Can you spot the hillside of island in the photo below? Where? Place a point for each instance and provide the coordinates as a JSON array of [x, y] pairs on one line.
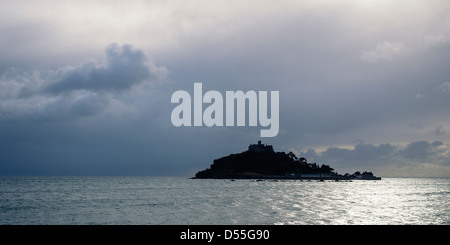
[[260, 161]]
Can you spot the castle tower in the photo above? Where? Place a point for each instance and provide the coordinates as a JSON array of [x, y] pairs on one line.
[[260, 147]]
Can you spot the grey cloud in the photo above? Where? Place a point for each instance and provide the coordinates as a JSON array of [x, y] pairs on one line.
[[124, 68], [363, 157], [76, 105], [417, 150], [421, 150], [360, 153], [380, 158], [89, 105], [79, 91]]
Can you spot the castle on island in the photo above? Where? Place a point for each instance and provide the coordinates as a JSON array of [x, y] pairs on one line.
[[262, 162], [257, 148]]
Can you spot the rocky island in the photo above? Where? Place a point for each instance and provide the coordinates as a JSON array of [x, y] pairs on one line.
[[260, 161]]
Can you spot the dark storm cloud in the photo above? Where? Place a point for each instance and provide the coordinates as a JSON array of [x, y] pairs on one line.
[[124, 68], [89, 119], [78, 91]]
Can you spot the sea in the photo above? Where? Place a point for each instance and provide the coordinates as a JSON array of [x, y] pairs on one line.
[[123, 200]]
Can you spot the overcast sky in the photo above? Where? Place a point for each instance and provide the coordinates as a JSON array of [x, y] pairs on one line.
[[85, 86]]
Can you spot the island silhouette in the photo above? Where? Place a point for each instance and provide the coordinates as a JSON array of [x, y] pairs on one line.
[[260, 161]]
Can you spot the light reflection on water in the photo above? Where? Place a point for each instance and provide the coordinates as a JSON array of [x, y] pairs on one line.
[[169, 200], [390, 201]]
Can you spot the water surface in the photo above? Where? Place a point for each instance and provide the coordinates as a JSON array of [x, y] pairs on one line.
[[183, 201]]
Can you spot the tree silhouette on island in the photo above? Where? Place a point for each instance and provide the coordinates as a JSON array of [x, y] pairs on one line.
[[260, 161]]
